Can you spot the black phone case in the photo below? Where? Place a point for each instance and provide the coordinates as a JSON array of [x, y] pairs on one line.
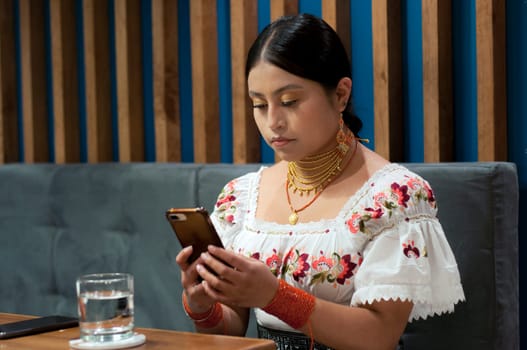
[[36, 325]]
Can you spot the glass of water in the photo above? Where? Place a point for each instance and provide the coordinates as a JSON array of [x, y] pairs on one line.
[[106, 306]]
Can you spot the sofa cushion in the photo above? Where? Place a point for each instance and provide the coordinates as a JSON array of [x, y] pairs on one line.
[[60, 221], [478, 208]]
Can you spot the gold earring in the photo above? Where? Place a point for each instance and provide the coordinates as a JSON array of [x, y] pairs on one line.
[[341, 134], [363, 140], [343, 137]]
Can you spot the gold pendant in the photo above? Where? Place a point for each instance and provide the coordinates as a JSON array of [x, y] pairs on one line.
[[293, 218]]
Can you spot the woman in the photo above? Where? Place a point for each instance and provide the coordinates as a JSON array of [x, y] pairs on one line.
[[332, 245]]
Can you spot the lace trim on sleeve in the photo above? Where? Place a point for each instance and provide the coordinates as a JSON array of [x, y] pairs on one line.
[[419, 295]]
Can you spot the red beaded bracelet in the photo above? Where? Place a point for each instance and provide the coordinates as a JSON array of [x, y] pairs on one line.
[[207, 319], [292, 305]]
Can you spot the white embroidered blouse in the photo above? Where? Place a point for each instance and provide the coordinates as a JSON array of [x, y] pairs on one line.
[[385, 243]]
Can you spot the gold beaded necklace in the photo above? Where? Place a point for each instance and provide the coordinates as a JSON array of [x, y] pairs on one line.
[[312, 173], [315, 173]]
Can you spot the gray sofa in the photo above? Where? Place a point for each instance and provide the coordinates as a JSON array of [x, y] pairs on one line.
[[60, 221]]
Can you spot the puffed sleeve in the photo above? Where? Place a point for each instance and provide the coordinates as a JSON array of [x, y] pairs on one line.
[[230, 208], [407, 256]]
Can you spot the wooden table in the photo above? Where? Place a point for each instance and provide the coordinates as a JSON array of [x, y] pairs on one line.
[[156, 339]]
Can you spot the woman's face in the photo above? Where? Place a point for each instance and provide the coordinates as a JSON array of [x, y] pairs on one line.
[[297, 117]]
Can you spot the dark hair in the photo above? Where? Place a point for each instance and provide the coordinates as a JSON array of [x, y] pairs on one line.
[[306, 46]]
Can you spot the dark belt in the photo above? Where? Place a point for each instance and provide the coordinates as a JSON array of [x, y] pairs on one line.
[[288, 340], [294, 341]]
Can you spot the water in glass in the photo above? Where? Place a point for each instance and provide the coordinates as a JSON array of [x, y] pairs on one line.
[[105, 314]]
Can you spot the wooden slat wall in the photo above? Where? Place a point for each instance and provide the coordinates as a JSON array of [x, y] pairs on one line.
[[492, 104], [205, 94], [166, 81], [386, 23], [2, 118], [65, 81], [129, 80], [97, 81], [437, 81], [283, 8], [337, 14], [33, 60], [244, 29], [120, 136], [8, 85]]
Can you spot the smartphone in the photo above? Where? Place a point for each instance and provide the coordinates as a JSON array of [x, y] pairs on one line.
[[192, 226], [36, 325]]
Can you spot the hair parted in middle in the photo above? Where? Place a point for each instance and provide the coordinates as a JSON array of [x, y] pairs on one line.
[[306, 46]]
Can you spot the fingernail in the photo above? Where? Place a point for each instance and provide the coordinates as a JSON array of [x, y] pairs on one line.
[[205, 256]]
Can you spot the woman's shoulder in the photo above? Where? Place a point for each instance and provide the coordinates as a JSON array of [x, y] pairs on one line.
[[235, 197], [382, 172], [393, 193], [239, 185], [396, 185], [395, 172], [245, 179]]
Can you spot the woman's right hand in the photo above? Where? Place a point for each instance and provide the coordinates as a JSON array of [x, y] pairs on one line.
[[197, 299]]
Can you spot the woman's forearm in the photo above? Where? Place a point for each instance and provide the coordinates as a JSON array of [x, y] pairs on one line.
[[373, 326], [234, 322]]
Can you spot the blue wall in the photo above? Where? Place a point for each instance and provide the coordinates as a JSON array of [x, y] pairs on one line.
[[517, 125]]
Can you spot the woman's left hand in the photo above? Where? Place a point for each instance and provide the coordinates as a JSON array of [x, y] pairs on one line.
[[237, 280]]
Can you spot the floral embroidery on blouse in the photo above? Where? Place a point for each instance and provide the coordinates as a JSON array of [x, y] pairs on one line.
[[337, 269], [255, 255], [226, 204], [400, 194], [397, 196], [422, 191], [411, 251], [274, 263], [296, 264]]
